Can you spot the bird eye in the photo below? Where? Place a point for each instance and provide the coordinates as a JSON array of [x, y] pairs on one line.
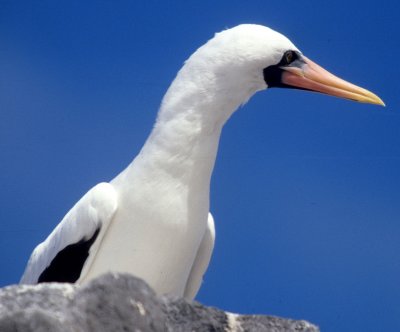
[[289, 57]]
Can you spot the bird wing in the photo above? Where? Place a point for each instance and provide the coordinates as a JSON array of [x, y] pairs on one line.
[[201, 261], [62, 256]]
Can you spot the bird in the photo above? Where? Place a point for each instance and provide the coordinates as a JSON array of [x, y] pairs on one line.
[[153, 220]]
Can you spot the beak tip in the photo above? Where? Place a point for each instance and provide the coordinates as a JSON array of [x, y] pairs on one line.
[[378, 101], [371, 98]]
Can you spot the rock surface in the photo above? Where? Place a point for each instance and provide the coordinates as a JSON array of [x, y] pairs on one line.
[[121, 302]]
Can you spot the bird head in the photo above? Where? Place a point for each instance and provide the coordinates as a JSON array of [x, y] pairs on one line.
[[252, 57]]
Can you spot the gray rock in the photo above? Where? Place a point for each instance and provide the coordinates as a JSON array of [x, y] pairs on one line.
[[121, 302]]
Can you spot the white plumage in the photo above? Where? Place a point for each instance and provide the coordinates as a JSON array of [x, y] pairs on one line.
[[153, 219]]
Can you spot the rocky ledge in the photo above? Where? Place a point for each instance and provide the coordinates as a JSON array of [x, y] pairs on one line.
[[121, 302]]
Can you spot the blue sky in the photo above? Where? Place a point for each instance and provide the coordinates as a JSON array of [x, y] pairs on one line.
[[306, 188]]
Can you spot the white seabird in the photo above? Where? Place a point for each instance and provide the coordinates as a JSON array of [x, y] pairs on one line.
[[153, 219]]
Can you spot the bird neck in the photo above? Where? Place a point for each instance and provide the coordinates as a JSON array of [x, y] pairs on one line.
[[184, 141]]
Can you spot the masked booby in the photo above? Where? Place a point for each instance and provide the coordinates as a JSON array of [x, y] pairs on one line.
[[153, 219]]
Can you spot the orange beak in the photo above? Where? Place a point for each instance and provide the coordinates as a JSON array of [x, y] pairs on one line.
[[312, 77]]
